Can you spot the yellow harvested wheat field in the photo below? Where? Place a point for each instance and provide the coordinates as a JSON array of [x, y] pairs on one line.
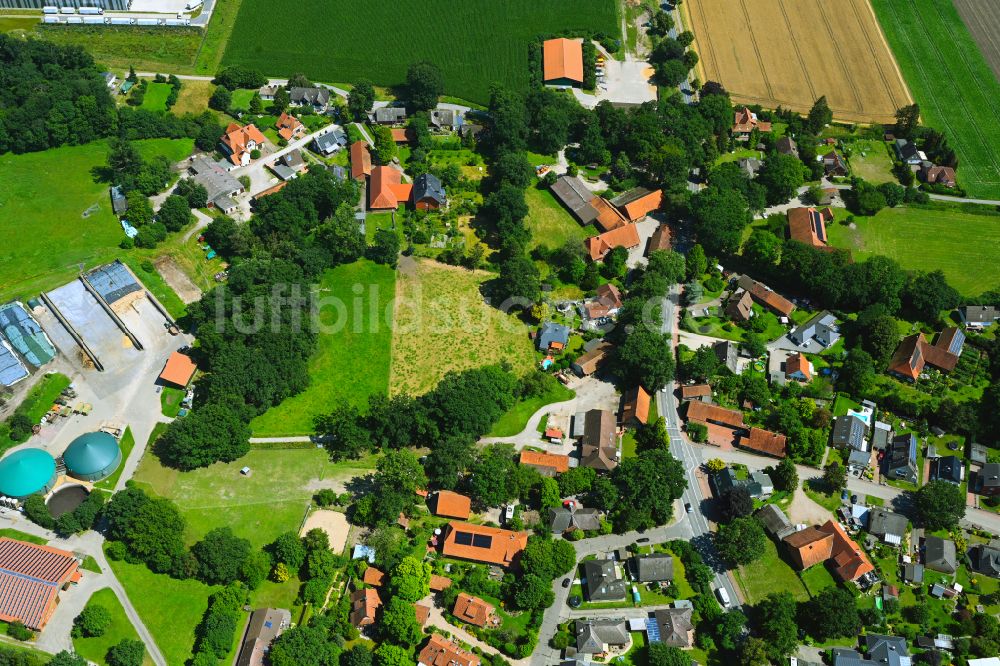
[[790, 52]]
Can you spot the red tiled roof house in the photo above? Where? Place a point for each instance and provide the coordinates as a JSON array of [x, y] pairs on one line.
[[239, 141]]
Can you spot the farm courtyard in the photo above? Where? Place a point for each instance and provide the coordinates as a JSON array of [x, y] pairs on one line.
[[475, 42], [778, 52]]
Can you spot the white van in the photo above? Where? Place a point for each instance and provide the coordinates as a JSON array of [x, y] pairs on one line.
[[723, 596]]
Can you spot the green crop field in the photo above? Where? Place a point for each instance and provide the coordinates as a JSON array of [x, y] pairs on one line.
[[42, 201], [359, 342], [474, 42], [952, 83], [94, 649], [960, 244]]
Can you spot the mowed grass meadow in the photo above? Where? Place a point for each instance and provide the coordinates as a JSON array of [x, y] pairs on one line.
[[952, 83], [349, 364], [474, 42], [94, 649], [42, 199], [963, 245]]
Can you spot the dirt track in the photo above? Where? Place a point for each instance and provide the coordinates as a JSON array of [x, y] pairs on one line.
[[982, 18], [790, 52]]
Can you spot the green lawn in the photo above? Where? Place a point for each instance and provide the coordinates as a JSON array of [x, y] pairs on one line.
[[817, 493], [94, 649], [126, 445], [817, 578], [90, 564], [475, 42], [551, 225], [364, 342], [42, 202], [770, 574], [875, 165], [156, 96], [258, 507], [9, 24], [515, 420], [170, 400], [956, 242], [171, 609], [949, 78], [22, 536], [241, 99]]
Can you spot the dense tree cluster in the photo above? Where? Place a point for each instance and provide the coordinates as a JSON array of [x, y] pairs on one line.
[[52, 95]]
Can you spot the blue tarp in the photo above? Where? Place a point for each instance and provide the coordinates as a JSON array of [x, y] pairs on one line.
[[25, 335], [113, 281], [11, 368]]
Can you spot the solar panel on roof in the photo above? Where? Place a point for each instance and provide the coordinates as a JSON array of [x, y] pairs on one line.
[[482, 541], [463, 538], [957, 342]]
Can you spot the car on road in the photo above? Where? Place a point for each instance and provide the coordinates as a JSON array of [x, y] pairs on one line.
[[642, 540], [687, 508], [723, 597], [565, 582]]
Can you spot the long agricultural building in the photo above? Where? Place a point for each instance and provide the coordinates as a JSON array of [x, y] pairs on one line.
[[31, 577]]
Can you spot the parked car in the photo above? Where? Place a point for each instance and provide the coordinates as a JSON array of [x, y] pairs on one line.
[[642, 540], [565, 582], [723, 597], [687, 507]]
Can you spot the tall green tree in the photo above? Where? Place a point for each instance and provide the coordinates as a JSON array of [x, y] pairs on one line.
[[424, 84], [360, 99], [741, 541], [819, 116], [940, 505]]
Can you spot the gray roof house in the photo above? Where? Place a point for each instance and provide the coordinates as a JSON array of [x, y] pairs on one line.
[[988, 479], [888, 526], [891, 650], [316, 97], [602, 582], [948, 468], [978, 454], [913, 573], [849, 431], [388, 115], [562, 519], [573, 194], [216, 180], [978, 316], [881, 434], [550, 333], [939, 555], [676, 628], [330, 142], [859, 460], [652, 568], [445, 119], [821, 327], [907, 152], [901, 461], [985, 560], [594, 636], [849, 657], [750, 166], [775, 521], [727, 353], [427, 189]]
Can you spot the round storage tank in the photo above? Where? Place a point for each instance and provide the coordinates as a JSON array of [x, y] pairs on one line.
[[26, 472], [92, 457]]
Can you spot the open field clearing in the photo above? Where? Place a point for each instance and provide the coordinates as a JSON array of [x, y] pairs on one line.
[[960, 244], [258, 507], [156, 96], [957, 91], [982, 18], [551, 224], [790, 52], [443, 324], [42, 201], [351, 362], [474, 42]]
